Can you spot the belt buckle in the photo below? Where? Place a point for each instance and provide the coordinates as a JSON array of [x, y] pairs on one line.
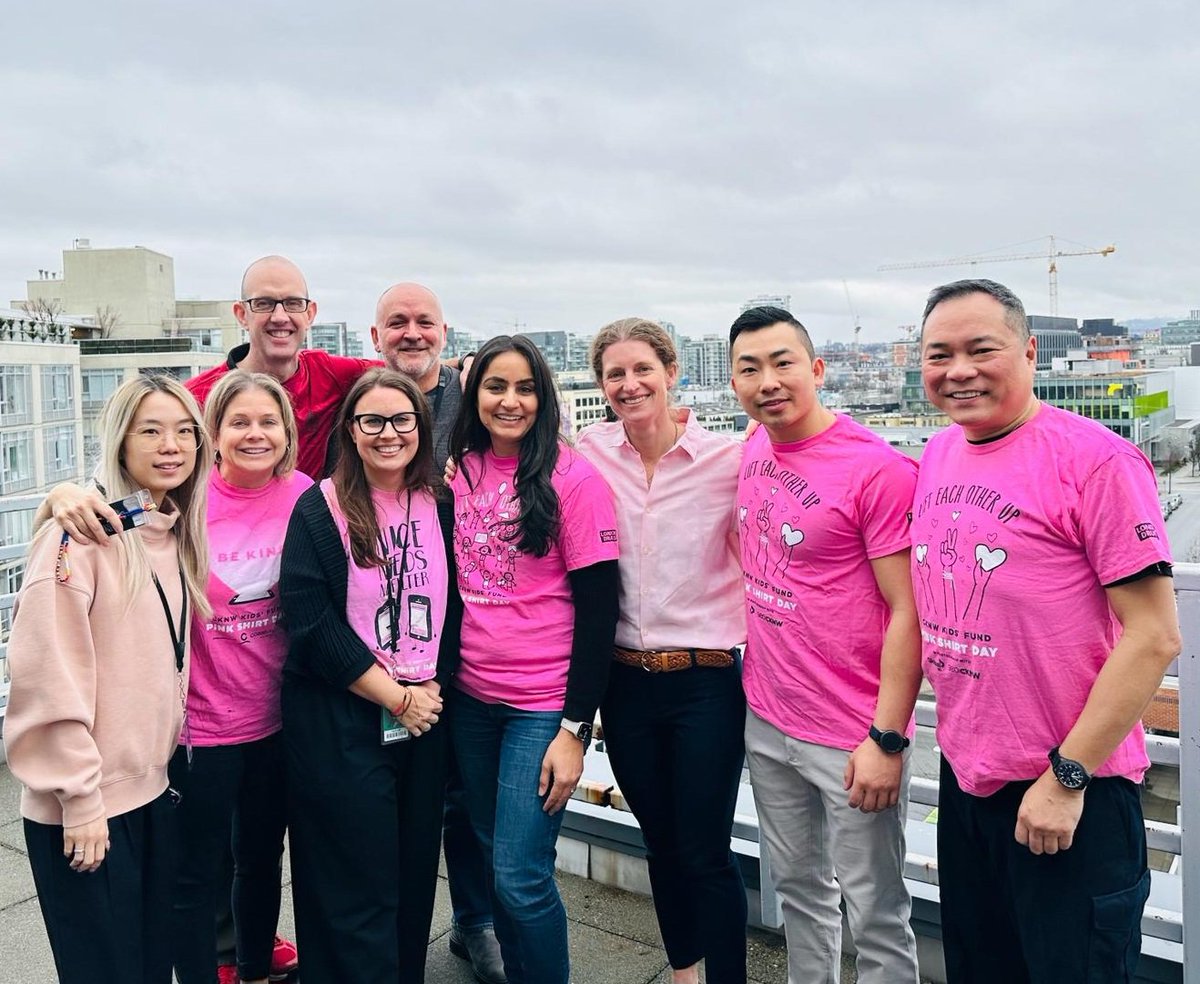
[[645, 660]]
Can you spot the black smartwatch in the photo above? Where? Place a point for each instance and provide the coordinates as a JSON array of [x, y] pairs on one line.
[[1069, 773], [890, 741], [580, 729]]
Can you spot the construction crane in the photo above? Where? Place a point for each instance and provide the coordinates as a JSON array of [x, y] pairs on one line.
[[1050, 255], [857, 324]]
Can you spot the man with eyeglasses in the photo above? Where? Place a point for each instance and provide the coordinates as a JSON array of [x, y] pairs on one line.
[[276, 312]]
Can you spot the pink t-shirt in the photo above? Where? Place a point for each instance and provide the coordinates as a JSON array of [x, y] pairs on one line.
[[398, 610], [1012, 543], [518, 613], [813, 514], [238, 652]]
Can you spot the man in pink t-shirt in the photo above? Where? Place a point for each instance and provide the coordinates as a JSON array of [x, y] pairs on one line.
[[1042, 576], [832, 656]]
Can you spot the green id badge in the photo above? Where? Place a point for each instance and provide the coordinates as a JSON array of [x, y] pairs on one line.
[[390, 728]]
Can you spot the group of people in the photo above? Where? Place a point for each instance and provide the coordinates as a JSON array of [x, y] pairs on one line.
[[312, 630]]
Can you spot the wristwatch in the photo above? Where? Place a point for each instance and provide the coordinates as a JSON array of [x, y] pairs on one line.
[[890, 741], [1069, 773], [580, 729]]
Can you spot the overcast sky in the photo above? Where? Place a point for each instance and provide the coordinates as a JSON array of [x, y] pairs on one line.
[[562, 164]]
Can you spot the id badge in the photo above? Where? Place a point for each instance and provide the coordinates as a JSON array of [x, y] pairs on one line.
[[390, 728]]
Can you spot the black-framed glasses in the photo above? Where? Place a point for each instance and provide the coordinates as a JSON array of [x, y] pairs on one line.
[[267, 305], [373, 423]]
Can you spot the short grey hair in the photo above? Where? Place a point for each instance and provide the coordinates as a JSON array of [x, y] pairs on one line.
[[1014, 310]]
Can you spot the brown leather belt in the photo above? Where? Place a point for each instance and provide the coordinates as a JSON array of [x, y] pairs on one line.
[[670, 660]]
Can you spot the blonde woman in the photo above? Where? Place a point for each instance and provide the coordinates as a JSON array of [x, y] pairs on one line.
[[98, 656], [230, 772]]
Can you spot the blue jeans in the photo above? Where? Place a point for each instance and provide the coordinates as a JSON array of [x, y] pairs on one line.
[[500, 751]]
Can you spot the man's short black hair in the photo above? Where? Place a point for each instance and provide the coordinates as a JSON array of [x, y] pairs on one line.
[[1014, 310], [757, 318]]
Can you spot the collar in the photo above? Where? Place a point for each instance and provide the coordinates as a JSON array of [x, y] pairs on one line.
[[689, 434]]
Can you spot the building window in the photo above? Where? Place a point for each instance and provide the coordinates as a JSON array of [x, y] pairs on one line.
[[98, 386], [16, 526], [58, 392], [10, 578], [58, 447], [16, 405], [16, 462]]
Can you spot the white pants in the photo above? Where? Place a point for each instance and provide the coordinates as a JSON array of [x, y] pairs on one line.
[[811, 834]]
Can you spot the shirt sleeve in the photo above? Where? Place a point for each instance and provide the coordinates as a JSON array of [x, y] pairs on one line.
[[52, 701], [588, 520], [885, 505], [1120, 519]]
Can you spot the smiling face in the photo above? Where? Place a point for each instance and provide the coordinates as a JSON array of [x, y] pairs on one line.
[[159, 449], [776, 382], [386, 455], [251, 439], [636, 383], [977, 369], [410, 332], [508, 402], [275, 337]]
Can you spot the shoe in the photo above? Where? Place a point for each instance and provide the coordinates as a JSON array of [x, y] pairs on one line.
[[479, 947], [285, 959], [227, 974]]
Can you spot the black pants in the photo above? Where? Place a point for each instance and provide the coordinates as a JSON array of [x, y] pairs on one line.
[[112, 926], [676, 746], [238, 789], [1010, 916], [365, 824]]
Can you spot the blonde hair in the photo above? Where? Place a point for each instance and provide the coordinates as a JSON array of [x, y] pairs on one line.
[[232, 385], [190, 498]]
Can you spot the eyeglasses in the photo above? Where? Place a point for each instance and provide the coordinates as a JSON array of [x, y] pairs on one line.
[[266, 305], [153, 438], [373, 423]]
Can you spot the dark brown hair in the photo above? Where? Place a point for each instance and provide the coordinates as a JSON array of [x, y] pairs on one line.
[[349, 477]]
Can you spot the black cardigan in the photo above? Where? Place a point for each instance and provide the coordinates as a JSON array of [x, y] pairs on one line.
[[312, 586]]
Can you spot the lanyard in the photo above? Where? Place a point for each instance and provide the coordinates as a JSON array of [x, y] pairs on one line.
[[436, 395], [177, 638]]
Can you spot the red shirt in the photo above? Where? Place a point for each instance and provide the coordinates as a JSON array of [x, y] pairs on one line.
[[316, 390]]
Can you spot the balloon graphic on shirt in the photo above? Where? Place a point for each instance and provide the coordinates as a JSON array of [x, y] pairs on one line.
[[987, 559], [789, 539], [925, 574]]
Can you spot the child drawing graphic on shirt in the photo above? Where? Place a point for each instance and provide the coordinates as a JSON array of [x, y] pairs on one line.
[[762, 519], [925, 572], [789, 539], [948, 552], [987, 559]]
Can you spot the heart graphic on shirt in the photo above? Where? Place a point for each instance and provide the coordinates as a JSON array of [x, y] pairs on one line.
[[790, 536], [955, 514], [989, 560], [742, 514], [503, 486], [991, 538], [922, 552], [973, 527], [933, 523], [774, 489]]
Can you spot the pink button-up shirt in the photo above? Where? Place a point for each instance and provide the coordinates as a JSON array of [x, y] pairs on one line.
[[681, 576]]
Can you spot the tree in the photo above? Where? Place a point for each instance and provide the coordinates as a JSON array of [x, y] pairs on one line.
[[108, 320], [1194, 451], [43, 313]]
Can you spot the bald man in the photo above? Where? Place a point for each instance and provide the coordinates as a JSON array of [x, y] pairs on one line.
[[276, 312]]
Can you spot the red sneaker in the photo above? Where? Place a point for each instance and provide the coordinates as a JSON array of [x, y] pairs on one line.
[[227, 974], [285, 959]]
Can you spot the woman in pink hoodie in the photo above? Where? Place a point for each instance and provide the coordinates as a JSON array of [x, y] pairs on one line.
[[99, 677]]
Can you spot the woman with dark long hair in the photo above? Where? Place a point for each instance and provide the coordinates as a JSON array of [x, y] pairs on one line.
[[535, 549], [373, 625]]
